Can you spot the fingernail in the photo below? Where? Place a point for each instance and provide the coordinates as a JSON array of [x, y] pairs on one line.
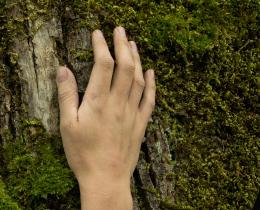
[[121, 30], [99, 33], [62, 74]]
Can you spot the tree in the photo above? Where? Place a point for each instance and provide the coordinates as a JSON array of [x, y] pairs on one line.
[[201, 146]]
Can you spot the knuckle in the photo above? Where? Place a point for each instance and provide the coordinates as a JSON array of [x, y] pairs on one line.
[[106, 62], [128, 66], [140, 83], [65, 95]]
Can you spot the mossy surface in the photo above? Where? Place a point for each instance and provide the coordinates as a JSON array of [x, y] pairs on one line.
[[5, 201], [36, 173], [206, 58]]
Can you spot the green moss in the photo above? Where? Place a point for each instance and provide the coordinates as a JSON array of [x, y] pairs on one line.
[[42, 169], [6, 201], [205, 55], [83, 55]]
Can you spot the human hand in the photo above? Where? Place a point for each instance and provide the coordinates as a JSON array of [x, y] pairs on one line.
[[102, 136]]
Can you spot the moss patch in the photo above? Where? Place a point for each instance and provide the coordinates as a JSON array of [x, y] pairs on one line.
[[5, 201]]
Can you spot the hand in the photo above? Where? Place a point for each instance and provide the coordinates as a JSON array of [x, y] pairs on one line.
[[102, 136]]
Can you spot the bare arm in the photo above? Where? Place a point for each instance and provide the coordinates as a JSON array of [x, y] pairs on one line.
[[102, 135]]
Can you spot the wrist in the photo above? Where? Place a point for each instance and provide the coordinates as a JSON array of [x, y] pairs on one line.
[[103, 193]]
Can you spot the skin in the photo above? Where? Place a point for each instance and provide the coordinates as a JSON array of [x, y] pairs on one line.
[[102, 135]]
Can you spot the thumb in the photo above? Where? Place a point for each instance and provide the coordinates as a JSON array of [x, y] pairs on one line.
[[67, 94]]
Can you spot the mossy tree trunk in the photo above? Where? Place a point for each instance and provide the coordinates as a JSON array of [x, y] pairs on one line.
[[202, 145], [42, 37]]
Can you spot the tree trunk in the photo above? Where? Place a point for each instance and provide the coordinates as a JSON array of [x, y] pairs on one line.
[[201, 148], [37, 40]]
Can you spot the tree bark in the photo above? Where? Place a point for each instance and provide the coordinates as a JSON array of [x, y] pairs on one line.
[[28, 91]]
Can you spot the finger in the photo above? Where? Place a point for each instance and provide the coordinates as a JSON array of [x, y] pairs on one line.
[[138, 82], [124, 72], [67, 94], [101, 75], [148, 101]]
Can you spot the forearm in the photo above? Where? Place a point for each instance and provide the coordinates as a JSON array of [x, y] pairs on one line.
[[100, 195]]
